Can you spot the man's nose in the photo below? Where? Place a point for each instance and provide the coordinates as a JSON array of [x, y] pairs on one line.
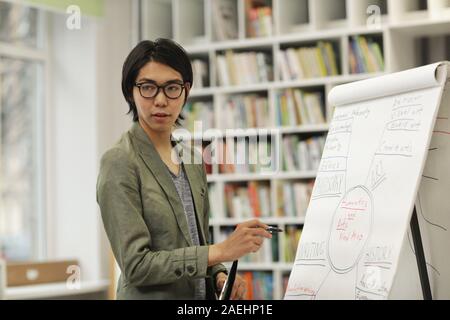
[[161, 99]]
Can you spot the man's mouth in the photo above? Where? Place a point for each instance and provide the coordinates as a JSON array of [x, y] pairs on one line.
[[161, 115]]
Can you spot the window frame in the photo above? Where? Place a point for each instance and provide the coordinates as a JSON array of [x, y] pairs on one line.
[[42, 140]]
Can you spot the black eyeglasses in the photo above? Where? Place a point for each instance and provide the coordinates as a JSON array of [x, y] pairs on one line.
[[151, 90]]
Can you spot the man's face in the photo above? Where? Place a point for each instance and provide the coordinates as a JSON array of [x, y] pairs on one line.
[[159, 113]]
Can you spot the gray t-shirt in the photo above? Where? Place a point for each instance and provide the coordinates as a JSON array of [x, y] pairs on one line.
[[184, 191]]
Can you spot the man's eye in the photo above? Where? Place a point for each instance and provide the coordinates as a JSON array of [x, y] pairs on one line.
[[148, 87], [173, 87]]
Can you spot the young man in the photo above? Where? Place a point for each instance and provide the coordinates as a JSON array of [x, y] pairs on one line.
[[155, 210]]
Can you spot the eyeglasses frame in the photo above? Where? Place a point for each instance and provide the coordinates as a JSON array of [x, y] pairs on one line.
[[139, 85]]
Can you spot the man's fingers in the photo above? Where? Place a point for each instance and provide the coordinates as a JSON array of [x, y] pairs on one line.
[[255, 223], [234, 291], [241, 292], [258, 241], [260, 232], [238, 291]]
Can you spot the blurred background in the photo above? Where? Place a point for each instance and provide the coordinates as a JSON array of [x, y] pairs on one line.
[[61, 107]]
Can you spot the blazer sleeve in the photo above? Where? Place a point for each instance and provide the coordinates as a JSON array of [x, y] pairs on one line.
[[118, 195], [218, 267]]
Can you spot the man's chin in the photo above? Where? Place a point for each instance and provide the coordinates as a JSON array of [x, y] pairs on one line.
[[159, 127]]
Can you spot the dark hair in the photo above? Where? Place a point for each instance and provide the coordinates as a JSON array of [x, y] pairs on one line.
[[163, 51]]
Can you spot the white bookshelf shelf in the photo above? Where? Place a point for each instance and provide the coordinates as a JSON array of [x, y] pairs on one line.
[[262, 177], [220, 133], [296, 24], [304, 129], [267, 42], [239, 177], [266, 220], [281, 266], [276, 85]]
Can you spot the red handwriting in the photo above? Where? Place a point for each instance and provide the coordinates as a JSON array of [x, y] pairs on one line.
[[301, 289], [351, 236]]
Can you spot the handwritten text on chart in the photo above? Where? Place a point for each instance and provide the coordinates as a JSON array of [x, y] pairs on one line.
[[312, 250], [329, 185], [394, 148], [350, 229], [333, 164]]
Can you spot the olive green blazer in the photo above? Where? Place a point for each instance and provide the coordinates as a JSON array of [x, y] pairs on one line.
[[146, 225]]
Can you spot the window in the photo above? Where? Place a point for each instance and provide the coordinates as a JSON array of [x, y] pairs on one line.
[[22, 88]]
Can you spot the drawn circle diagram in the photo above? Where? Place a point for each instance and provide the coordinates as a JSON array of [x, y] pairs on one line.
[[350, 229]]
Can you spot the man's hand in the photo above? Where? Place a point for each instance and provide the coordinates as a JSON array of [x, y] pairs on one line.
[[246, 238], [239, 288]]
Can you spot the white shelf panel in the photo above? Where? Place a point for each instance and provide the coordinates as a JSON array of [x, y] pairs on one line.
[[54, 290], [424, 27], [363, 30], [313, 82], [304, 83], [235, 44], [281, 266], [305, 129], [310, 35], [202, 92], [240, 177], [296, 175], [244, 88], [261, 177], [267, 220], [218, 133]]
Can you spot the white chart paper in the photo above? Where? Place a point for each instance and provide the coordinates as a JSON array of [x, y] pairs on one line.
[[356, 233]]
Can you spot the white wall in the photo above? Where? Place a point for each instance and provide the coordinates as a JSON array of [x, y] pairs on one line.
[[73, 222], [88, 114]]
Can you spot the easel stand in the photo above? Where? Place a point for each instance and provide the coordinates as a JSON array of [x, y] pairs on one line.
[[420, 257]]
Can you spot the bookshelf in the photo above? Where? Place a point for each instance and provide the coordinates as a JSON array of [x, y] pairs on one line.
[[335, 42]]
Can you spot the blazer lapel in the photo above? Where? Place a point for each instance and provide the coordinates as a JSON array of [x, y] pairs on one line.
[[153, 161]]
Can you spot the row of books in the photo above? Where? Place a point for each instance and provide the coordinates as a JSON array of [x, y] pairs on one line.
[[308, 62], [248, 68], [259, 285], [365, 55], [249, 201], [297, 107], [292, 235], [269, 252], [293, 198], [198, 111], [260, 22], [245, 111], [244, 68], [253, 200], [200, 73], [302, 155], [242, 156]]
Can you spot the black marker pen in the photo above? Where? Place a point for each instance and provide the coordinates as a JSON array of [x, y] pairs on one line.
[[273, 229]]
